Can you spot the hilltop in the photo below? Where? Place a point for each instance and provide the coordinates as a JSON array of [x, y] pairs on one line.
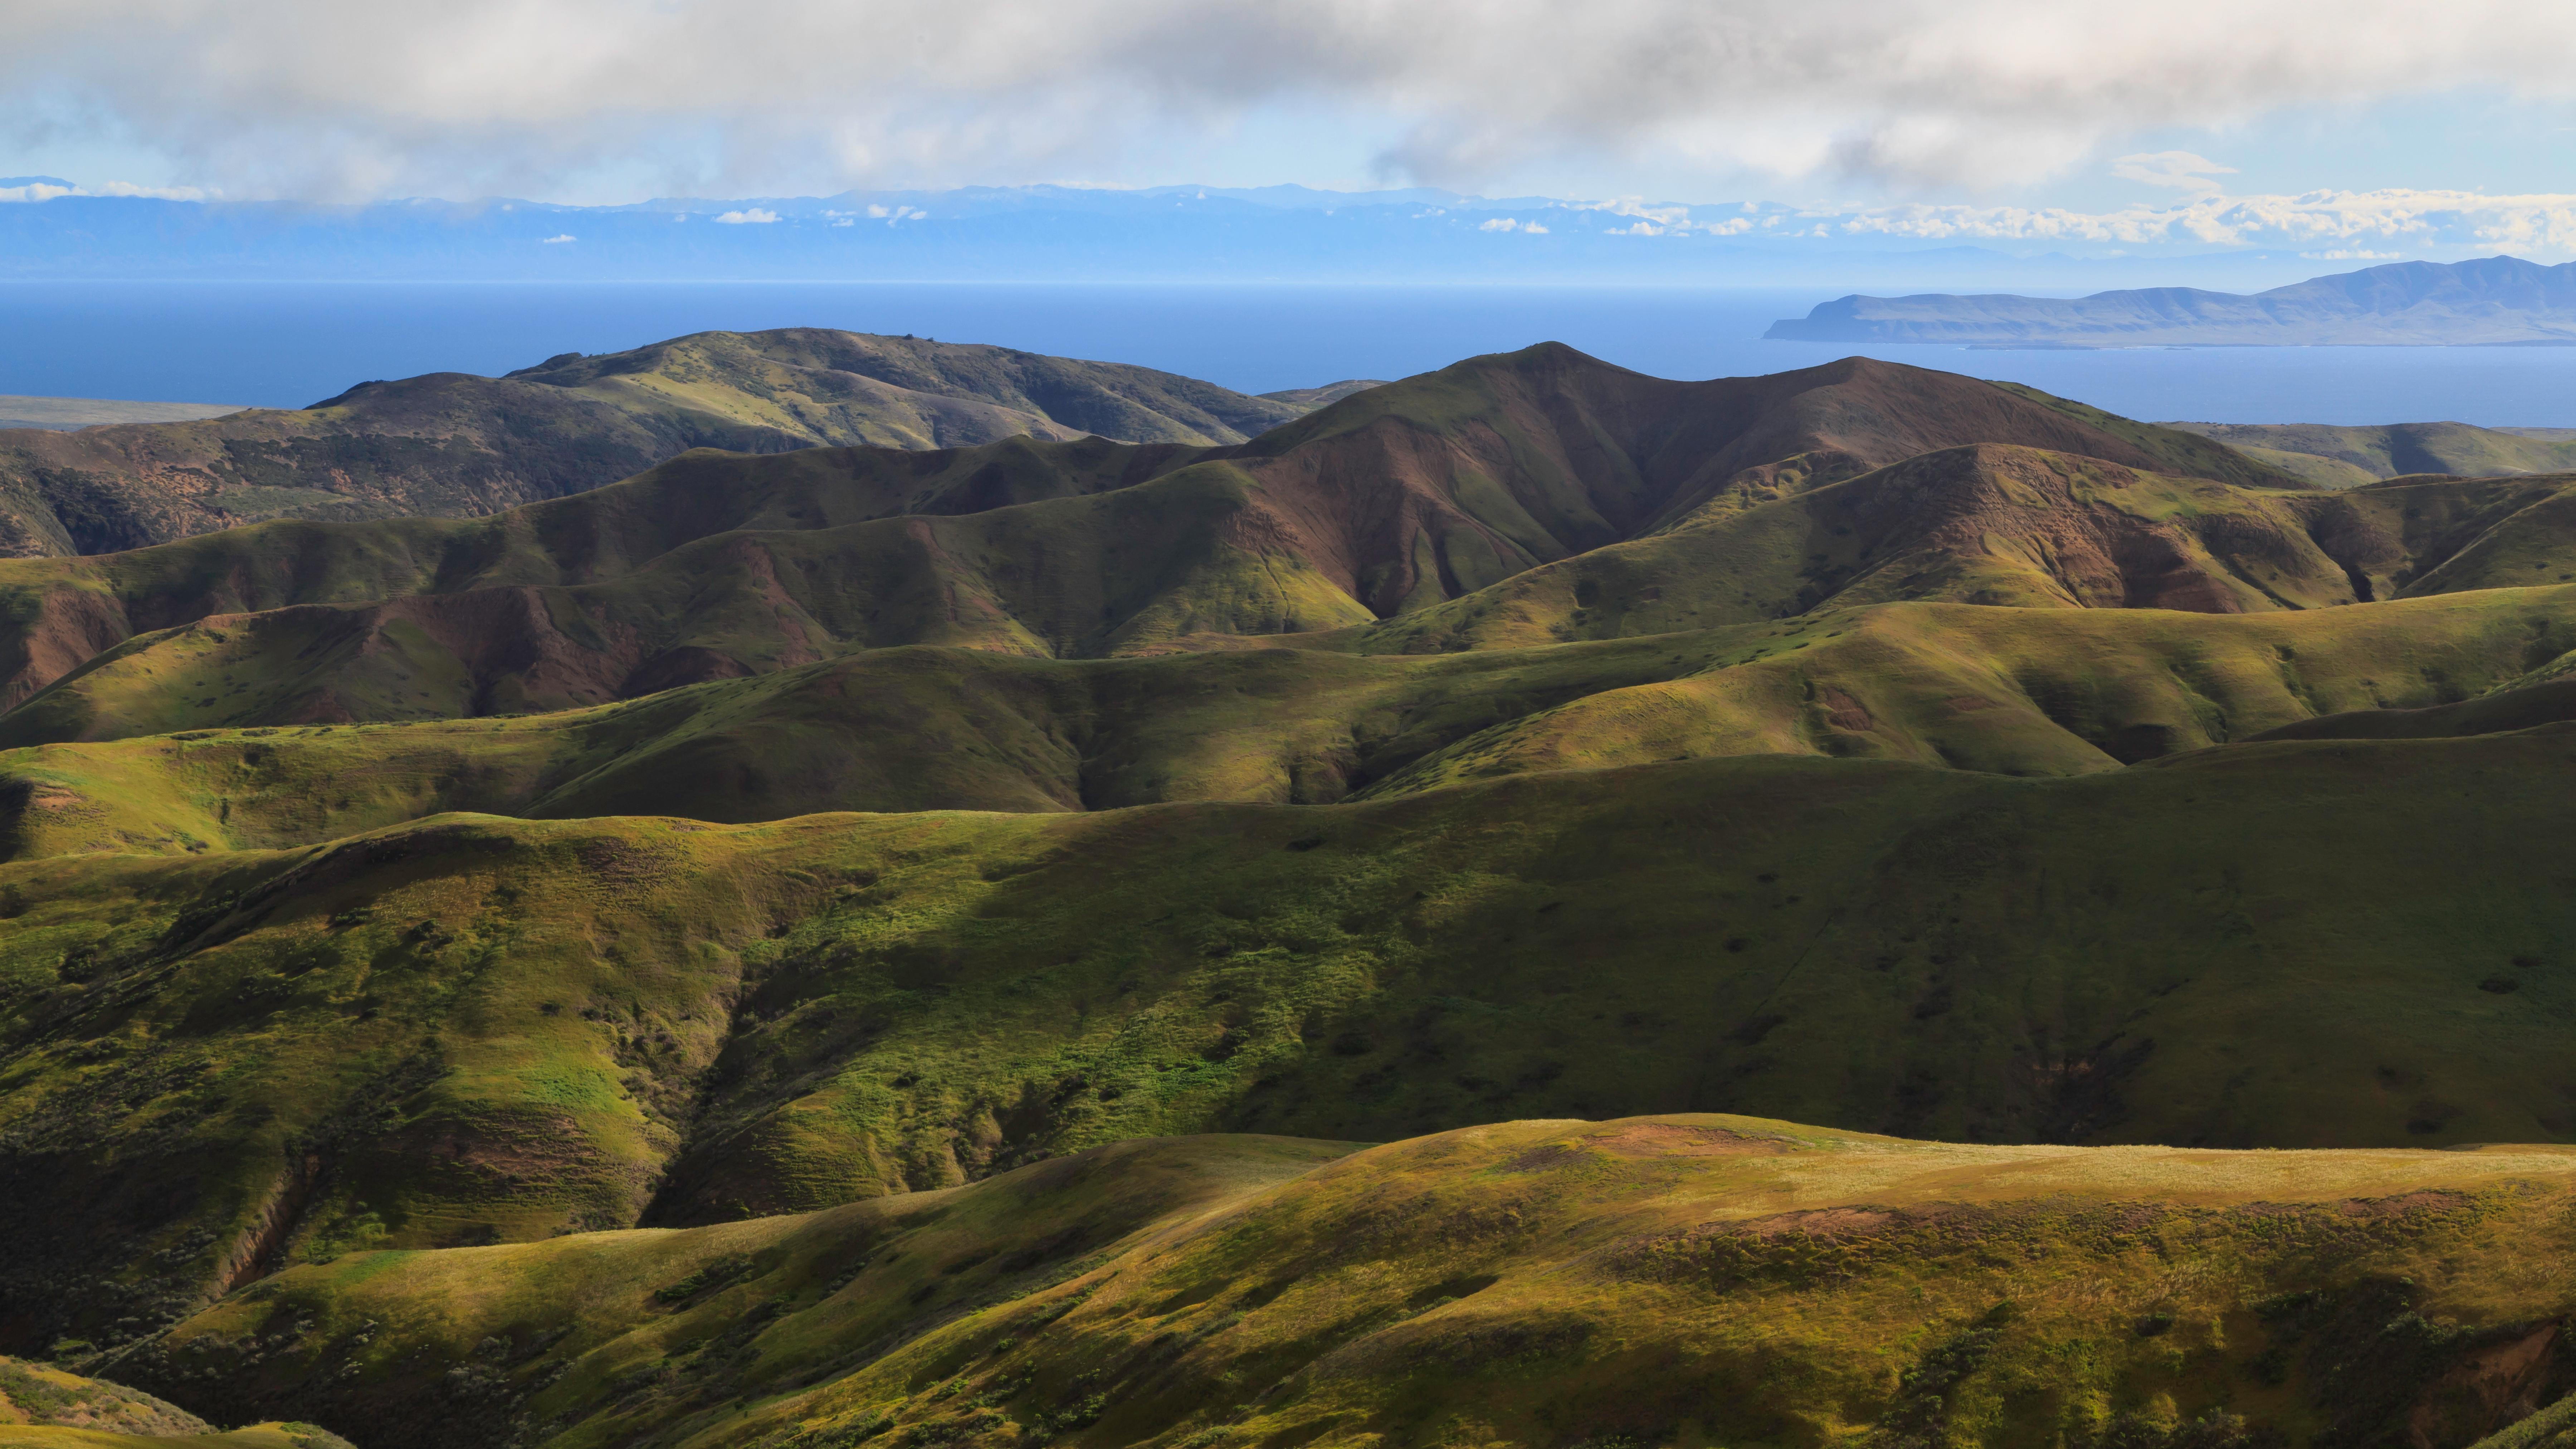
[[454, 445], [2493, 300]]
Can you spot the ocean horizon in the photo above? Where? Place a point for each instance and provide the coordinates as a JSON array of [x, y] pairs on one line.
[[291, 344]]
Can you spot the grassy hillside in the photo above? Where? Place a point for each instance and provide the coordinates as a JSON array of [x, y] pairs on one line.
[[908, 947], [1389, 502], [45, 1407], [453, 445], [2363, 454], [38, 1395], [2015, 691], [476, 1029], [2015, 527], [1664, 1279]]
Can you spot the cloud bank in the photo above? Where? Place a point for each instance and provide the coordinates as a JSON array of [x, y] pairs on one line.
[[2425, 219], [303, 97]]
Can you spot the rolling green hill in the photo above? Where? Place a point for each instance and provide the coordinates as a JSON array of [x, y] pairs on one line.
[[2011, 691], [1694, 1279], [911, 946], [2340, 457], [477, 1029], [454, 445]]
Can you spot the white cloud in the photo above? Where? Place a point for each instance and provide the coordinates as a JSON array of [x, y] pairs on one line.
[[2180, 170], [2542, 222], [316, 97], [756, 216], [556, 241], [1505, 223], [41, 191]]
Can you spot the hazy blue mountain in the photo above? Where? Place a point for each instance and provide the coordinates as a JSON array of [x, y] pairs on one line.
[[2489, 301]]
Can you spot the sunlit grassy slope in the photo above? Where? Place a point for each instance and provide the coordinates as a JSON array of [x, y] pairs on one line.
[[474, 1028], [1680, 1279], [2339, 457], [44, 1407], [549, 611], [2015, 691]]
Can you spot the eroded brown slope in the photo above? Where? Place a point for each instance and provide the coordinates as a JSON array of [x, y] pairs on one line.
[[1445, 483], [1985, 524], [1391, 501]]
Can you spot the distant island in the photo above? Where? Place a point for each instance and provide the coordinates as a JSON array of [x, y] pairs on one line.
[[2494, 301]]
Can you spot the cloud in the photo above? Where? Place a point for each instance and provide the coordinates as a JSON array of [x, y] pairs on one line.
[[2180, 170], [556, 241], [2544, 222], [47, 191], [1505, 223], [756, 216], [325, 98]]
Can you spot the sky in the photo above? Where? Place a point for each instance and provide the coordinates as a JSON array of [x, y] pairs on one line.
[[2334, 125]]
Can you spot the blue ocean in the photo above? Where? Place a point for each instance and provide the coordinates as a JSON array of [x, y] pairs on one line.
[[289, 344]]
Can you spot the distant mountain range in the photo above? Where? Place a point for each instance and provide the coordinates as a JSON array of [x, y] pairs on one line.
[[2492, 301], [452, 444]]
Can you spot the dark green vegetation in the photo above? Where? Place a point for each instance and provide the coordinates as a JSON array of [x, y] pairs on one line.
[[480, 1029], [2340, 457], [453, 445], [747, 955]]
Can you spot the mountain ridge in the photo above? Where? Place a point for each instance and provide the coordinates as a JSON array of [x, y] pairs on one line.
[[1391, 500], [457, 445], [2487, 302]]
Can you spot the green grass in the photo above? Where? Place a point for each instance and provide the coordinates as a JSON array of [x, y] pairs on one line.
[[2013, 691], [478, 1029], [2341, 457], [42, 1405], [948, 1015], [1658, 1280]]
